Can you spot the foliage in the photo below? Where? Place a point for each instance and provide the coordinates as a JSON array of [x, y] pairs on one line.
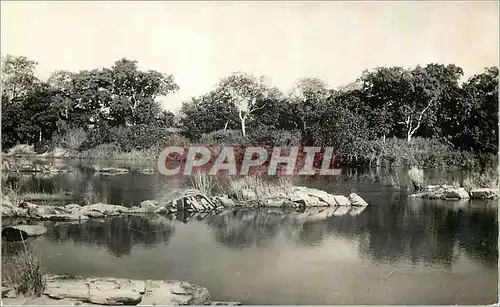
[[390, 115], [225, 137], [263, 135]]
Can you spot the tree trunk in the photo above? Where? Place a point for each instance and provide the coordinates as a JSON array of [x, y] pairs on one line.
[[243, 128], [242, 120]]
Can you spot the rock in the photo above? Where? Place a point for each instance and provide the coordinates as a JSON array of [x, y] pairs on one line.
[[63, 217], [21, 232], [115, 291], [73, 207], [225, 201], [221, 303], [174, 293], [61, 287], [456, 193], [105, 209], [247, 194], [341, 200], [357, 201], [149, 206], [162, 211], [121, 291], [484, 193], [442, 192], [137, 210], [95, 214], [110, 170]]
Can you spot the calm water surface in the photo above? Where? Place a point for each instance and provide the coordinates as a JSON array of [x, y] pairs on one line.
[[397, 251]]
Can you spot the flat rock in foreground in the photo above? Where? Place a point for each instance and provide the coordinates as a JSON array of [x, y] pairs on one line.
[[118, 291]]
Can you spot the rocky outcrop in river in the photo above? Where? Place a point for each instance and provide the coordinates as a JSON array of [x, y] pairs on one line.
[[448, 192], [185, 200]]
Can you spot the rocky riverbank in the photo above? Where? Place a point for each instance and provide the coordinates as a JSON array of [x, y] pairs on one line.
[[66, 290], [448, 192]]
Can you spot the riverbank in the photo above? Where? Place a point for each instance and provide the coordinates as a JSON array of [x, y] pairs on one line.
[[66, 290]]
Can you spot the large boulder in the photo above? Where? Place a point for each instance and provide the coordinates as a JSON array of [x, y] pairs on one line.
[[484, 193], [357, 201], [22, 232]]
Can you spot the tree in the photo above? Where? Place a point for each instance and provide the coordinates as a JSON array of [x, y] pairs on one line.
[[308, 98], [18, 76], [133, 91], [244, 91], [211, 112], [480, 103], [407, 98]]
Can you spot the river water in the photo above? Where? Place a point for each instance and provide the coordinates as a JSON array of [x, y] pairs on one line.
[[397, 251]]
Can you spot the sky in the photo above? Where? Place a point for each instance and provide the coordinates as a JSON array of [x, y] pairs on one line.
[[201, 42]]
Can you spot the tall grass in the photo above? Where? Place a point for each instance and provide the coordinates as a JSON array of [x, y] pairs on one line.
[[203, 182], [485, 179], [13, 192], [89, 194], [255, 183], [394, 181], [23, 272]]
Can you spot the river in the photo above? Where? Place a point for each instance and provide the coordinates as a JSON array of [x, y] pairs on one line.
[[397, 251]]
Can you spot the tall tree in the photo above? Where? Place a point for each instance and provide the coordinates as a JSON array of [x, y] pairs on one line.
[[18, 77], [244, 90], [134, 91], [481, 111]]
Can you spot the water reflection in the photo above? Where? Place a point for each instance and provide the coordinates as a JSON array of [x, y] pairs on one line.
[[117, 234], [429, 233]]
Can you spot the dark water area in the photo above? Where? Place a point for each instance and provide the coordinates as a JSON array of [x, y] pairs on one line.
[[396, 251]]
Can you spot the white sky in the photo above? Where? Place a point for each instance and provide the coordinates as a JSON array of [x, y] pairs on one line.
[[200, 42]]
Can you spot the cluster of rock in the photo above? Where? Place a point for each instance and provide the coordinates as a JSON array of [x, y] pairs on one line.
[[34, 168], [116, 291], [298, 197], [186, 200], [109, 170], [448, 192]]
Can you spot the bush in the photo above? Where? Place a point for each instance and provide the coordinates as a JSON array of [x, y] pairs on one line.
[[72, 139], [264, 135], [420, 152], [224, 137]]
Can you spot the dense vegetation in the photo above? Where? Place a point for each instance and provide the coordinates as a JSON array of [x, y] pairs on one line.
[[424, 115]]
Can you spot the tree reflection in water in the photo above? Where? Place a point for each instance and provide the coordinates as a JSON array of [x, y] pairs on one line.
[[118, 234], [418, 232], [426, 233]]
